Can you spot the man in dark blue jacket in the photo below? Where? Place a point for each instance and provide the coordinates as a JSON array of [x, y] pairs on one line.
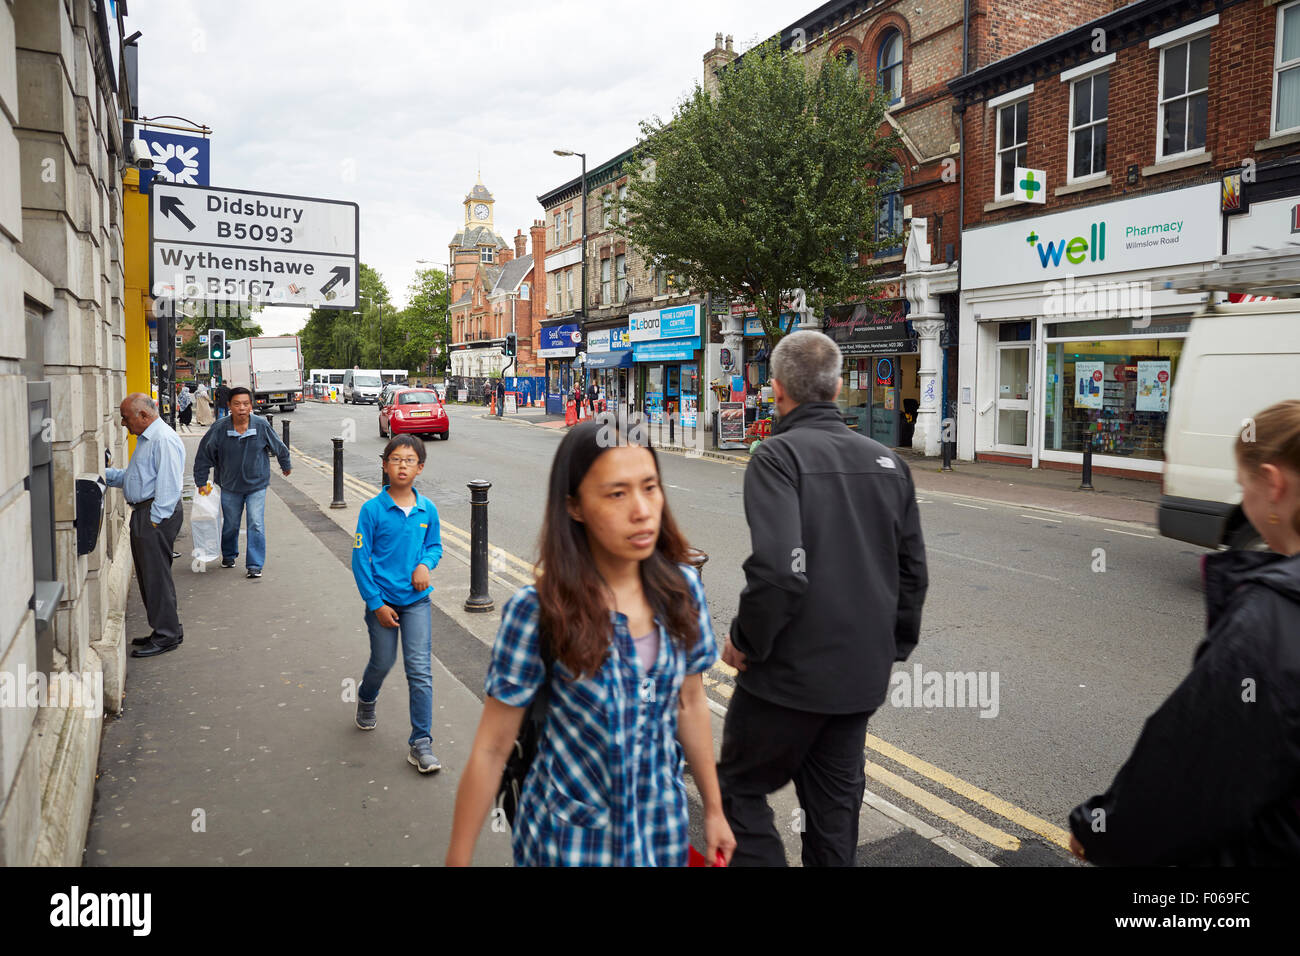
[[237, 448]]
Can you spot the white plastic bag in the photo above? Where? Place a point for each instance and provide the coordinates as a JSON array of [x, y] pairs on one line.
[[205, 528]]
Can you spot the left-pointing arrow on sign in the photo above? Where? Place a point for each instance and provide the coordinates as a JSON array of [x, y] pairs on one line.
[[341, 274], [171, 206]]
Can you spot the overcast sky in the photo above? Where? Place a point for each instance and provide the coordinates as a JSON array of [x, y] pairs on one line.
[[397, 104]]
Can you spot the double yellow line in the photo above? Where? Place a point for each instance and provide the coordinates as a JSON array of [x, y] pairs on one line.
[[721, 679]]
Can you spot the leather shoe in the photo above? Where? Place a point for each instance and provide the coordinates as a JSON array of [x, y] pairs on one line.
[[153, 649], [142, 641]]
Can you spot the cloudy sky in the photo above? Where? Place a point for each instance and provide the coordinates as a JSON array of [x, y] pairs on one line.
[[397, 104]]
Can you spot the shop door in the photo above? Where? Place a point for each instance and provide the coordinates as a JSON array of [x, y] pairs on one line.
[[672, 400], [1015, 373], [886, 407]]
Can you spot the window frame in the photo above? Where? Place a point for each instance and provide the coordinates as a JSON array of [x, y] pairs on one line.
[[999, 149], [1186, 95], [881, 67], [606, 273], [1279, 68], [620, 278], [1093, 122], [606, 209], [894, 204], [622, 198], [568, 224]]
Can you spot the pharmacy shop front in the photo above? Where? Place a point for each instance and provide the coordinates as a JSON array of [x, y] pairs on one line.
[[1069, 339]]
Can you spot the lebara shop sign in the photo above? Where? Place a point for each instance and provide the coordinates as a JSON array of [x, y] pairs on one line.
[[679, 322], [1174, 228]]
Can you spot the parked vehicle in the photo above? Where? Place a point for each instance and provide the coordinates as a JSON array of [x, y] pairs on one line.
[[362, 385], [269, 366], [396, 376], [322, 378], [413, 411], [1237, 359]]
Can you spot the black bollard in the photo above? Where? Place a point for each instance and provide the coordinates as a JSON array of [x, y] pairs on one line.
[[338, 501], [284, 427], [479, 600], [1086, 484], [947, 456]]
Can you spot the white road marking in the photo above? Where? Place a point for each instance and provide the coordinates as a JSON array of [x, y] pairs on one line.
[[1132, 533], [963, 505], [1036, 518], [991, 564]]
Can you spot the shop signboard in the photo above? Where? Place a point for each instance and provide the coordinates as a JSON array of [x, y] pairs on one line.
[[1153, 381], [558, 341], [1271, 224], [608, 340], [673, 350], [870, 328], [678, 322], [731, 424], [1089, 384], [1174, 228], [754, 325]]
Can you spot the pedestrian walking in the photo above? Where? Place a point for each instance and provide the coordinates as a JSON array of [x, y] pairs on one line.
[[236, 449], [1214, 778], [593, 395], [151, 483], [185, 404], [203, 406], [618, 627], [223, 400], [398, 544], [833, 593], [501, 396]]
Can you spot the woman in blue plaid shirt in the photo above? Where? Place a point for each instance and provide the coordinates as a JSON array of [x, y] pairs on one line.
[[628, 627]]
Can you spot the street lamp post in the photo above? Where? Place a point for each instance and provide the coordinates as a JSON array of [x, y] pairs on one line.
[[583, 274]]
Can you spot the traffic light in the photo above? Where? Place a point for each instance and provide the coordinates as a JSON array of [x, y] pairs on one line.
[[512, 344], [216, 344]]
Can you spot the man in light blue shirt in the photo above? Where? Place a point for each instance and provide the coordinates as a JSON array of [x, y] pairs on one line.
[[151, 483]]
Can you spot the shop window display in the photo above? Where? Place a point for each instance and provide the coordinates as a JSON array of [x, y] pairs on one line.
[[1110, 396]]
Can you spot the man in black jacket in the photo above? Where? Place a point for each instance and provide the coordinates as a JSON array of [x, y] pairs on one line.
[[832, 599]]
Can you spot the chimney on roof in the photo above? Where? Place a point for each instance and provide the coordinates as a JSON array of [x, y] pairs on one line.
[[714, 60], [521, 243], [539, 267]]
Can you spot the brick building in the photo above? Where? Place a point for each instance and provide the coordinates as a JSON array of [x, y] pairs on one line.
[[1162, 135], [640, 370], [493, 287], [907, 364]]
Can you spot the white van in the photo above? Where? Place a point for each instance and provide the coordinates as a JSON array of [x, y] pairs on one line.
[[361, 385], [1237, 360]]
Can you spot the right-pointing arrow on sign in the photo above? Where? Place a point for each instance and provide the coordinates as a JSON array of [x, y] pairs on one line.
[[170, 206], [341, 274]]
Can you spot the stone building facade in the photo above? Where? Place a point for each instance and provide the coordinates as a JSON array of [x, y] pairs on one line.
[[62, 375]]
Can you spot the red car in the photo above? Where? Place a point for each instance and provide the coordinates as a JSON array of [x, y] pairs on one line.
[[413, 411]]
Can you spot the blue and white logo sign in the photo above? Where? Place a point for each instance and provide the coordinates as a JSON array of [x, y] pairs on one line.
[[558, 341], [679, 322], [177, 158], [608, 340]]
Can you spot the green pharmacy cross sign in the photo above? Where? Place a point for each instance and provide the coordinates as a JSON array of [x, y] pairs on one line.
[[1031, 185]]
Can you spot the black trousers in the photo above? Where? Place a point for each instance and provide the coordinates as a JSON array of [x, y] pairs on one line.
[[151, 547], [764, 747], [187, 415]]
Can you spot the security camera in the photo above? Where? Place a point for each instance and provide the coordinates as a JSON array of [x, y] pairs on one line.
[[138, 153]]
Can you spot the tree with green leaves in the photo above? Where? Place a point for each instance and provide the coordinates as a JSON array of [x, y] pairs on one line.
[[423, 323], [773, 184], [343, 338]]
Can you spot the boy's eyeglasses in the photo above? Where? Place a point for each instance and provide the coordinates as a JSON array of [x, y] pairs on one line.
[[403, 461]]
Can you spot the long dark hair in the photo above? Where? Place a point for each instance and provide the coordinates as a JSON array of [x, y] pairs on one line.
[[574, 614]]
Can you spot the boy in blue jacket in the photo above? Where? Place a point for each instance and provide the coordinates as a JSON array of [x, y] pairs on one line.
[[397, 545]]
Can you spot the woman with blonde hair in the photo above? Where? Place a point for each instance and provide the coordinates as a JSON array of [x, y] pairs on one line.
[[1214, 778]]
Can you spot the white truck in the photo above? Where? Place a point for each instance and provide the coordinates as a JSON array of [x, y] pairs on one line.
[[269, 366]]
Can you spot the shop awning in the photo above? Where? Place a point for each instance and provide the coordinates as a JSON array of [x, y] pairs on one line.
[[619, 359]]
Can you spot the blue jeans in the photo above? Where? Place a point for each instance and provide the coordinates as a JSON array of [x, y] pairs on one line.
[[416, 627], [233, 506]]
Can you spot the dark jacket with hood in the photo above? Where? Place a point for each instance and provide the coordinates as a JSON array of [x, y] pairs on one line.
[[1214, 779], [240, 461], [835, 583]]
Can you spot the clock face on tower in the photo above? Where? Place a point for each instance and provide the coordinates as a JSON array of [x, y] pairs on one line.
[[481, 211]]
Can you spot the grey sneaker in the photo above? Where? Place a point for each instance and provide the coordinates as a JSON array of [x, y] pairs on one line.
[[366, 718], [421, 756]]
